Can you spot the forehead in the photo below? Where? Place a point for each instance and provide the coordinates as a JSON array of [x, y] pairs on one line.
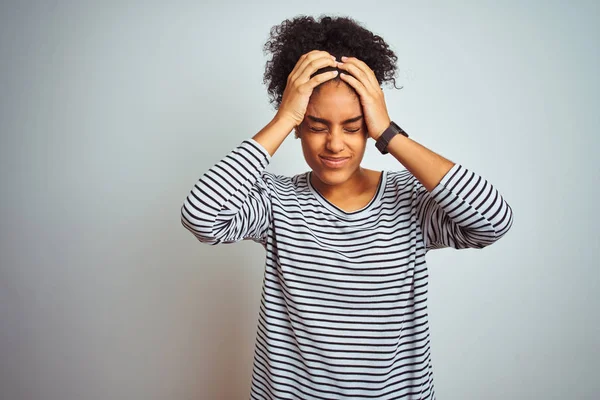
[[334, 101]]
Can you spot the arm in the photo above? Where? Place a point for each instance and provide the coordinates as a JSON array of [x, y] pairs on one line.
[[459, 209], [463, 211], [456, 207], [232, 201], [425, 165]]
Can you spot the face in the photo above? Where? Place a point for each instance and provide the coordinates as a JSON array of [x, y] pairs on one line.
[[333, 134]]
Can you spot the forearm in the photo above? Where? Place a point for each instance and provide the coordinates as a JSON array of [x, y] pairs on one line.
[[463, 211], [274, 133], [230, 201], [428, 167], [460, 208]]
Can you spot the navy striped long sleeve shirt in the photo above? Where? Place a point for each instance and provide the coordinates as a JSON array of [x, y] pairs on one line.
[[343, 312]]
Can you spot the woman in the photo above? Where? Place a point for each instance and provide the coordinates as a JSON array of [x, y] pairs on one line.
[[343, 312]]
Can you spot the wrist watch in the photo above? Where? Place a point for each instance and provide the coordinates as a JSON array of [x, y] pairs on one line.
[[387, 135]]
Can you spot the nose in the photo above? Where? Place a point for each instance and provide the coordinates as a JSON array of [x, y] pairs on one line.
[[335, 142]]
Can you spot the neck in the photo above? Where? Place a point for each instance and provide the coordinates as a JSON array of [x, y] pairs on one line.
[[354, 186]]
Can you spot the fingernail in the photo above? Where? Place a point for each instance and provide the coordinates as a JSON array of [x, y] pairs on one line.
[[344, 58]]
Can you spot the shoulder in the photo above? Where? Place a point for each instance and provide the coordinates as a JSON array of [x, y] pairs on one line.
[[402, 180], [402, 186], [286, 184]]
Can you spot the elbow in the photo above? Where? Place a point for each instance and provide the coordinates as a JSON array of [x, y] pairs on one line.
[[496, 232], [198, 227], [482, 236], [502, 225], [497, 228]]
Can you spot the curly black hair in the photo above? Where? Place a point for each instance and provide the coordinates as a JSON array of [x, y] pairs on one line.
[[339, 36]]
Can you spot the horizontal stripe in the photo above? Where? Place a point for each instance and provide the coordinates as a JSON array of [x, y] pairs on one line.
[[343, 311]]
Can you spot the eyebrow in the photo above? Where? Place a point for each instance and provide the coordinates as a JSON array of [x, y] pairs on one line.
[[326, 122]]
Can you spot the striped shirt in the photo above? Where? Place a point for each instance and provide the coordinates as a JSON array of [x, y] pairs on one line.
[[343, 312]]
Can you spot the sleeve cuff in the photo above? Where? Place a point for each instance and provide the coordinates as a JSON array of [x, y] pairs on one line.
[[446, 179]]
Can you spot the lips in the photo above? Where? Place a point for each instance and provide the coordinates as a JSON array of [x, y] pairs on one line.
[[334, 162]]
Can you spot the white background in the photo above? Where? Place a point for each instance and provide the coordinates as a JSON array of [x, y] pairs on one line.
[[110, 111]]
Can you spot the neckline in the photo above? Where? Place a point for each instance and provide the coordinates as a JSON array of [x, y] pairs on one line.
[[350, 214]]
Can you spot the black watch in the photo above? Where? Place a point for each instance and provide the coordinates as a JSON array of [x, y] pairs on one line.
[[387, 135]]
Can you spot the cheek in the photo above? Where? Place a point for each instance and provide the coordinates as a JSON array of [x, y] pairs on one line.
[[359, 144], [314, 144], [309, 149]]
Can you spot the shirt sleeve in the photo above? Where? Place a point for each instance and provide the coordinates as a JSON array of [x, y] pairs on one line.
[[462, 211], [231, 201]]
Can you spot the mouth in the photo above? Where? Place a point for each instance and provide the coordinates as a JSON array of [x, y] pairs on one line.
[[334, 162]]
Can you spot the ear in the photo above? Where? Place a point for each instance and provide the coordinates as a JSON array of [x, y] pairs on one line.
[[297, 131]]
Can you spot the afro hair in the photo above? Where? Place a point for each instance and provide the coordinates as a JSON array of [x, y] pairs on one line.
[[339, 36]]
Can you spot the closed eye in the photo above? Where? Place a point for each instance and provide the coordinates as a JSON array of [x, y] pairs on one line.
[[313, 129]]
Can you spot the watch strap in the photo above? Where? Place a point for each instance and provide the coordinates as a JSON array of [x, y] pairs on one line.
[[387, 135]]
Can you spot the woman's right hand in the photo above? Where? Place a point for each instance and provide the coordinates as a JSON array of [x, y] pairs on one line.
[[300, 85]]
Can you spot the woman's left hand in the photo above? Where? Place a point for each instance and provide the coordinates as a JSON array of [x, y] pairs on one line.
[[363, 80]]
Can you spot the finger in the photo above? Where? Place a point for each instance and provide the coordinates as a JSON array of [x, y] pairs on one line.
[[313, 63], [356, 85], [319, 79], [313, 67], [360, 74], [360, 70], [361, 65], [300, 61], [310, 67]]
